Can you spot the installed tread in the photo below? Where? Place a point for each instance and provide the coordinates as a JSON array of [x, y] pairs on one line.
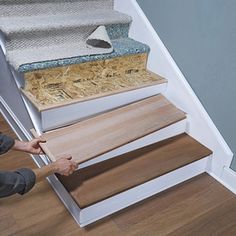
[[98, 135], [106, 179]]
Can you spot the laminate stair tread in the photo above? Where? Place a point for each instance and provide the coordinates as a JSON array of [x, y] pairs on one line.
[[95, 136], [106, 179]]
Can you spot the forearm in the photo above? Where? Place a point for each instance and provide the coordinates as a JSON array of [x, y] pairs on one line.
[[45, 171], [19, 146]]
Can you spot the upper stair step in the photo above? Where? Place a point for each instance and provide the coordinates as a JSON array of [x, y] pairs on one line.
[[98, 135], [30, 59], [106, 179], [30, 25], [33, 39], [45, 7]]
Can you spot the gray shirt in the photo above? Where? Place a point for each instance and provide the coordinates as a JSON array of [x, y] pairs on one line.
[[11, 182]]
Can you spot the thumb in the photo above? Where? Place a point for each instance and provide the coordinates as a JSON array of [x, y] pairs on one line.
[[69, 158], [40, 140]]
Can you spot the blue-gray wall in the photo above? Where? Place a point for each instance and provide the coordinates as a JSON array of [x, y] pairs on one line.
[[201, 37]]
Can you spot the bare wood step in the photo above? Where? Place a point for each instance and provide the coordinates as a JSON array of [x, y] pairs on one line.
[[103, 180], [98, 135], [60, 86]]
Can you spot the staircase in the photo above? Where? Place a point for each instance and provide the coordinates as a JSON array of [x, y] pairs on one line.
[[101, 105]]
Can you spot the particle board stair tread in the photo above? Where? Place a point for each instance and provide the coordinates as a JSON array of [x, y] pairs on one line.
[[95, 136], [53, 88], [106, 179]]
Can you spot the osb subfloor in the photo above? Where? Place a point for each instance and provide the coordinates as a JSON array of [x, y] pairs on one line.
[[77, 82], [200, 206]]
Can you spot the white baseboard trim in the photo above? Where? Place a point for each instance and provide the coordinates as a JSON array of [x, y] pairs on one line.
[[228, 179]]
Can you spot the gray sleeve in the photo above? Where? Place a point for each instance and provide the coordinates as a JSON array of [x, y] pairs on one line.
[[21, 181], [6, 143]]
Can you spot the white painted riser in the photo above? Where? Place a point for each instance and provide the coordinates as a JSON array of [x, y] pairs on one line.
[[69, 114]]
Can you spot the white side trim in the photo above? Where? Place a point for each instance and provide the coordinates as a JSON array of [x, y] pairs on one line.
[[170, 131], [141, 192], [178, 91], [228, 179], [2, 42], [19, 127]]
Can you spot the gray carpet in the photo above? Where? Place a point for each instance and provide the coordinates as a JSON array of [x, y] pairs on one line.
[[53, 52], [44, 7], [38, 31], [61, 30]]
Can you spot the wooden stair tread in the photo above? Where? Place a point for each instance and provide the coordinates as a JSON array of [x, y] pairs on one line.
[[108, 178], [98, 135]]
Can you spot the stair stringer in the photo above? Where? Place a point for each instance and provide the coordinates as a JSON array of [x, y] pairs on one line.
[[179, 92], [12, 98], [2, 42]]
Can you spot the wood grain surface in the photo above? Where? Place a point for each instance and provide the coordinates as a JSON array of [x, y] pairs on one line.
[[198, 207], [103, 180], [95, 136], [55, 87]]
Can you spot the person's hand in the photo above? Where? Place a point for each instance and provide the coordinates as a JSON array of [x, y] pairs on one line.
[[65, 165], [32, 147]]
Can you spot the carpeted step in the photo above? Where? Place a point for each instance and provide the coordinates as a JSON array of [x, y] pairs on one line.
[[27, 60], [95, 136], [29, 26], [45, 7], [106, 179], [33, 39]]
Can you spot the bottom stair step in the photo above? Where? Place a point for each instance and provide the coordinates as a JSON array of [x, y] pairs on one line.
[[108, 178]]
